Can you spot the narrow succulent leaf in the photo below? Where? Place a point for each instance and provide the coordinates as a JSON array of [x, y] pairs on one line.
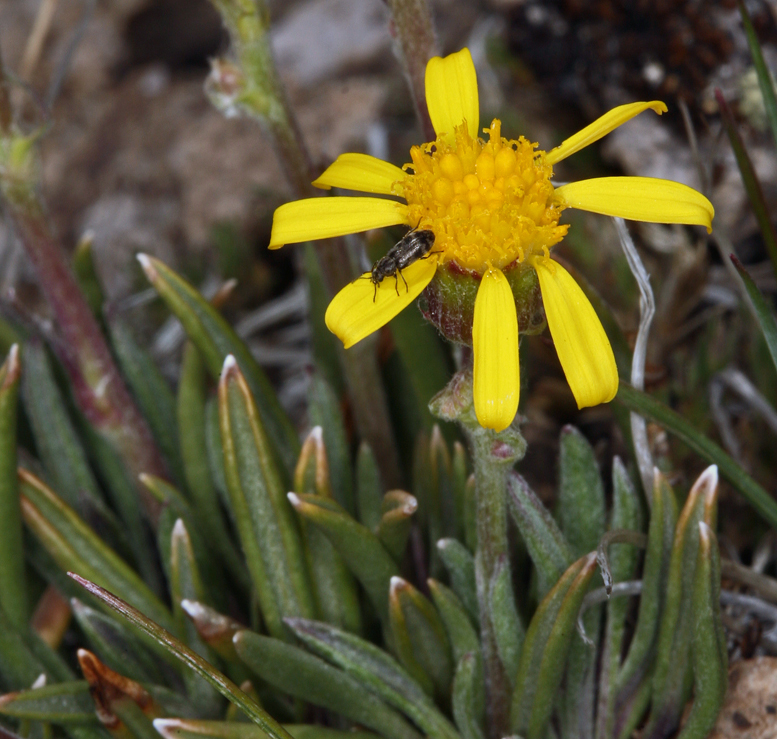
[[115, 644], [672, 678], [429, 516], [468, 681], [459, 476], [85, 273], [467, 698], [710, 655], [56, 439], [442, 481], [634, 709], [362, 551], [151, 390], [626, 514], [191, 417], [14, 599], [378, 671], [580, 508], [335, 588], [175, 506], [551, 668], [420, 636], [633, 672], [186, 584], [369, 491], [75, 547], [19, 666], [461, 569], [216, 340], [61, 703], [458, 624], [177, 728], [763, 310], [269, 531], [394, 527], [765, 81], [216, 630], [129, 499], [188, 657], [534, 646], [750, 179], [324, 411], [508, 629], [298, 673], [215, 453], [324, 343], [654, 410], [548, 548]]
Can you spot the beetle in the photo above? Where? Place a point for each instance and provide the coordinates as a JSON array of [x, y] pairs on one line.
[[414, 245]]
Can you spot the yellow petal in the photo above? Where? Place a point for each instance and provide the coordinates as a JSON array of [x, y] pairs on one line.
[[452, 94], [358, 310], [601, 127], [497, 380], [322, 218], [583, 347], [360, 172], [640, 199]]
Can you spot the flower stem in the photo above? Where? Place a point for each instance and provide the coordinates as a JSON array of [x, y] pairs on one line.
[[413, 29], [493, 456]]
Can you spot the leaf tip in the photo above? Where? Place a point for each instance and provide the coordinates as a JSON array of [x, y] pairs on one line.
[[294, 499], [147, 265]]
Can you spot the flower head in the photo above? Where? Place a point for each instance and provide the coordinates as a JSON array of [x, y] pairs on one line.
[[492, 208]]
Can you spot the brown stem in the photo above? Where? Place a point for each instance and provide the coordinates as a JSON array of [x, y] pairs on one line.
[[413, 29], [97, 384]]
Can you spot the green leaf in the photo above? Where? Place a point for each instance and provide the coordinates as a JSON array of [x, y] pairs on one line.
[[151, 390], [626, 514], [640, 402], [116, 645], [394, 527], [420, 638], [190, 658], [362, 551], [369, 491], [534, 644], [324, 411], [461, 570], [551, 669], [580, 508], [85, 273], [186, 584], [762, 71], [375, 669], [216, 340], [467, 697], [75, 547], [710, 654], [335, 588], [749, 177], [549, 550], [305, 676], [192, 423], [62, 703], [763, 310], [268, 529], [672, 677], [14, 599], [633, 674], [176, 728], [508, 629]]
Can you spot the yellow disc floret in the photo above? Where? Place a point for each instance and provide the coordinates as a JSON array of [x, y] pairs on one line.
[[489, 204]]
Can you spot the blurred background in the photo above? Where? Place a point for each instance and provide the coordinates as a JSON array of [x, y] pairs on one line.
[[135, 155]]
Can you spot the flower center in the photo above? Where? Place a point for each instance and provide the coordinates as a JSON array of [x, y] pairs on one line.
[[488, 203]]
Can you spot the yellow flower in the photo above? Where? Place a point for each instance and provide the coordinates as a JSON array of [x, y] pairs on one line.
[[491, 206]]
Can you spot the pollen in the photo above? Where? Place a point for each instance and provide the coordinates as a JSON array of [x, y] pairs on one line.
[[489, 203]]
